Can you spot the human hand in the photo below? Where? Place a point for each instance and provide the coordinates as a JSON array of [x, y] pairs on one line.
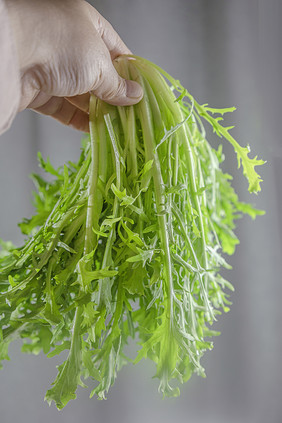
[[65, 51]]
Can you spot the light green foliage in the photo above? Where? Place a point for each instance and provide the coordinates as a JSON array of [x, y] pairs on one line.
[[127, 243]]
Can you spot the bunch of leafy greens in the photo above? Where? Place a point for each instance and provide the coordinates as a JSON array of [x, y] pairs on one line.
[[127, 242]]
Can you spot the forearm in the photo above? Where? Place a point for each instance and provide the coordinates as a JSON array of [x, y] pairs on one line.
[[9, 72]]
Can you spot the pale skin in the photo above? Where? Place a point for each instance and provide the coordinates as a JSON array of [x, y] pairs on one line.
[[65, 51]]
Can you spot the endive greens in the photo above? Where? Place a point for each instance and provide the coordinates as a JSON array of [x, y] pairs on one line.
[[127, 242]]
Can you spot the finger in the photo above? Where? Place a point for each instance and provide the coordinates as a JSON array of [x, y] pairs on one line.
[[39, 100], [112, 40], [62, 110], [80, 101], [111, 87], [118, 91]]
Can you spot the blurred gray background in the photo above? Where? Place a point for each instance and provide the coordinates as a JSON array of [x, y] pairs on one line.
[[226, 53]]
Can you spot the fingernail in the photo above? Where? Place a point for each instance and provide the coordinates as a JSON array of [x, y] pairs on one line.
[[134, 90]]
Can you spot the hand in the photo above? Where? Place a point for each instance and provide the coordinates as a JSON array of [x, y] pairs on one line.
[[65, 51]]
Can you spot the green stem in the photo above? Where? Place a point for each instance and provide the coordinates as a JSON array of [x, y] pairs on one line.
[[107, 253], [90, 237], [145, 116], [158, 85]]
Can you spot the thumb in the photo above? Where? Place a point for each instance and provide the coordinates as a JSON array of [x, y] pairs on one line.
[[113, 89]]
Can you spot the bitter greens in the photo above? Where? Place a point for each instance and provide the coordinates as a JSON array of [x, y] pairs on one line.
[[127, 242]]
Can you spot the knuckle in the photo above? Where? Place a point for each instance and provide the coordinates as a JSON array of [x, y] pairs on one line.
[[114, 90], [100, 26], [119, 90], [37, 77], [108, 85]]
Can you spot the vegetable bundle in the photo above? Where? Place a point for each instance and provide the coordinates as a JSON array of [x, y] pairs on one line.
[[127, 242]]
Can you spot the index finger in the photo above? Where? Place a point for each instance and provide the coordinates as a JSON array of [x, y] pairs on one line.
[[110, 37]]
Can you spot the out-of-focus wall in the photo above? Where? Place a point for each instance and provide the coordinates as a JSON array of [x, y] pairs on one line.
[[226, 53]]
